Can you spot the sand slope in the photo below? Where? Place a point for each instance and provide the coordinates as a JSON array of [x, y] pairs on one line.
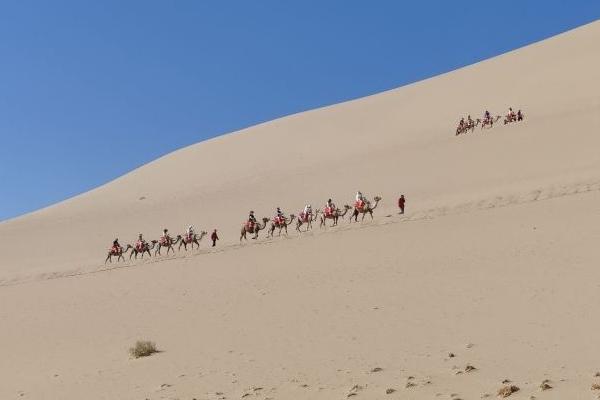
[[498, 249]]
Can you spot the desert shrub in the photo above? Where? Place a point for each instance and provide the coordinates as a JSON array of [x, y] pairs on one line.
[[142, 348]]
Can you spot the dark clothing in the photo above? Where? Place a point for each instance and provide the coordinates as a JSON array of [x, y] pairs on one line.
[[401, 202], [214, 238]]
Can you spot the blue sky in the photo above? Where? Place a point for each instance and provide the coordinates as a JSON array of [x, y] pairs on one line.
[[90, 90]]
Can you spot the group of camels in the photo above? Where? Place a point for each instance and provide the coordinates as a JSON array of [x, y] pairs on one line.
[[321, 215], [470, 124], [169, 243]]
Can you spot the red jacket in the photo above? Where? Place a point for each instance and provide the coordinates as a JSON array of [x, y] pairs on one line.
[[401, 202]]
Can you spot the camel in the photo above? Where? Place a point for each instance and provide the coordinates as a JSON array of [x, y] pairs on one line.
[[195, 239], [135, 251], [169, 245], [337, 214], [467, 127], [308, 221], [281, 225], [119, 254], [514, 117], [367, 208], [490, 121], [253, 229]]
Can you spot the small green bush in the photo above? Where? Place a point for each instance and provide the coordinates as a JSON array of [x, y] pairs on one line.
[[142, 348]]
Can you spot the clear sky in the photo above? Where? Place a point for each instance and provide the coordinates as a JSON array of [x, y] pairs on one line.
[[90, 90]]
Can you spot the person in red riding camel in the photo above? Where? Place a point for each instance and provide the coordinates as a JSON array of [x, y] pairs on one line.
[[361, 200], [401, 202], [141, 243], [116, 247], [214, 237], [164, 238], [511, 115], [280, 217], [329, 208], [251, 219]]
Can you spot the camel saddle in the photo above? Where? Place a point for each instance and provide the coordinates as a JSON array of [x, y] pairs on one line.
[[328, 211], [279, 220], [360, 204]]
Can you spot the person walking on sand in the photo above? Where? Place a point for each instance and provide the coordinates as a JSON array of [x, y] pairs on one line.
[[214, 237], [401, 202]]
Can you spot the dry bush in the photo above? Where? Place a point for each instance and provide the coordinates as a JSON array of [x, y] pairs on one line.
[[507, 391], [142, 348]]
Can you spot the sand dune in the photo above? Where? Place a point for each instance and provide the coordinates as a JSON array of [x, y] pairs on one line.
[[494, 262]]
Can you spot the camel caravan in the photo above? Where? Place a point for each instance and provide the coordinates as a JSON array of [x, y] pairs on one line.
[[488, 121], [362, 206]]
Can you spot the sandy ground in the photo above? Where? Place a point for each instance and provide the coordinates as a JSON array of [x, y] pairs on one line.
[[496, 260]]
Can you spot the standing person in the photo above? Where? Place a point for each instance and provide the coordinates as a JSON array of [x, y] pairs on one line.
[[401, 202], [214, 237]]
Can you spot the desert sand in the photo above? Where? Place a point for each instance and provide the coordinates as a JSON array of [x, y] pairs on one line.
[[493, 266]]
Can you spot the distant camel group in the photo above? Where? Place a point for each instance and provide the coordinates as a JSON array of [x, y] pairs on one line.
[[488, 121], [143, 247]]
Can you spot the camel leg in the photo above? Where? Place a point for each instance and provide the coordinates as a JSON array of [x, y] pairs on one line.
[[107, 258]]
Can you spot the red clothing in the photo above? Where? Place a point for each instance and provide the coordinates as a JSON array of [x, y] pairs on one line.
[[214, 236], [401, 202]]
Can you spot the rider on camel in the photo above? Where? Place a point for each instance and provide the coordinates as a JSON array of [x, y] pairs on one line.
[[469, 121], [190, 232], [329, 207], [487, 116], [251, 219], [279, 217], [511, 115], [116, 247], [141, 243], [164, 238], [307, 211], [361, 200]]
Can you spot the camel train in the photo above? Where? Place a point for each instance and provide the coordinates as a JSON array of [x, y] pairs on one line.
[[362, 206], [488, 121]]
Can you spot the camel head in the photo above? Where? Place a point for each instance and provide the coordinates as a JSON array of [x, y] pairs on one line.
[[265, 220], [347, 207], [178, 237], [377, 198]]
